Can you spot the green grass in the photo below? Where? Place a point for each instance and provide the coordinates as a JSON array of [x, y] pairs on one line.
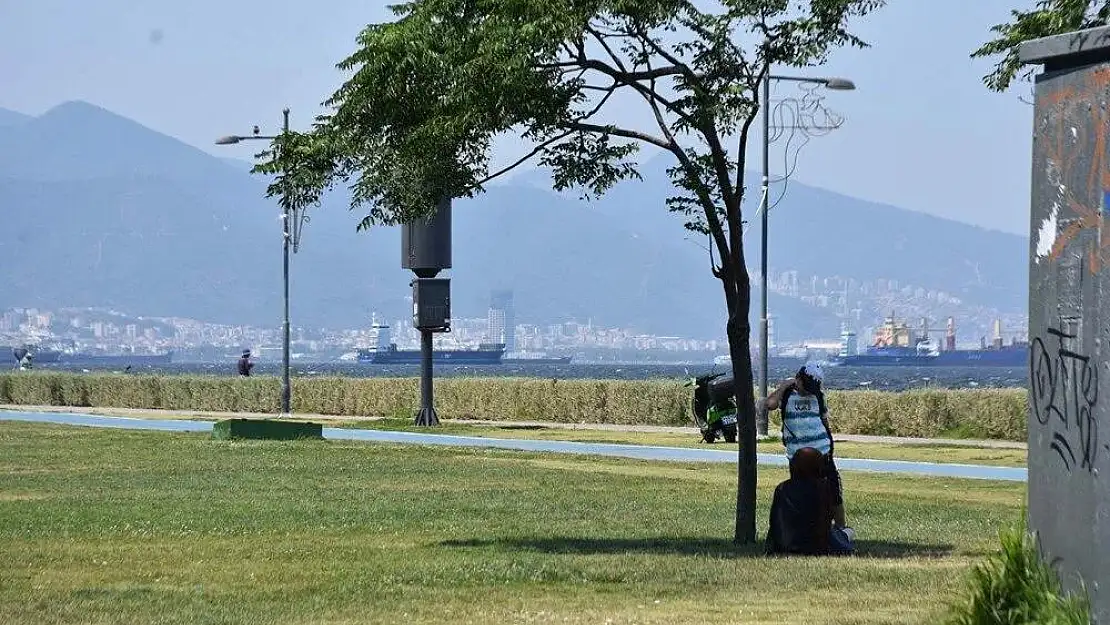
[[116, 526]]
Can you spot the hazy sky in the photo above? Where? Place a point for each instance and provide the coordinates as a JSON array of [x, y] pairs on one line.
[[921, 132]]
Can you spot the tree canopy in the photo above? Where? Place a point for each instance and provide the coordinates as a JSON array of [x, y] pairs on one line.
[[428, 93], [1048, 17]]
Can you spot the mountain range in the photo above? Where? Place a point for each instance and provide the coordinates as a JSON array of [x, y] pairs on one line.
[[102, 211]]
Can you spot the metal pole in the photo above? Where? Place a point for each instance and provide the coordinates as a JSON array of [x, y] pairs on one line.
[[286, 387], [427, 414], [761, 411]]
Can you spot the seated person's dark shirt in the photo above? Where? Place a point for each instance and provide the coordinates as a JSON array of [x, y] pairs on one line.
[[801, 516]]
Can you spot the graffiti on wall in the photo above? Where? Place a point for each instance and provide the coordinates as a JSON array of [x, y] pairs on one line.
[[1064, 385], [1073, 137]]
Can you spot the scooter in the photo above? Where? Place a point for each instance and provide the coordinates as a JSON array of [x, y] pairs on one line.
[[714, 409]]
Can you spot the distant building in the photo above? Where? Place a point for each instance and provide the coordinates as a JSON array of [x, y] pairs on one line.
[[501, 320]]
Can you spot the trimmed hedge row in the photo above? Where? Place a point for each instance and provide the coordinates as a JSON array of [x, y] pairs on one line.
[[986, 413]]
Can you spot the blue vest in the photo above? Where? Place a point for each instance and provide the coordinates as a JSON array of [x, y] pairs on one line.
[[802, 425]]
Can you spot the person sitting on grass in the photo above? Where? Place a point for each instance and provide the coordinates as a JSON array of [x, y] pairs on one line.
[[802, 511], [805, 423]]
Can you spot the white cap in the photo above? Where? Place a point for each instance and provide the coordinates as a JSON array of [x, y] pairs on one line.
[[813, 370]]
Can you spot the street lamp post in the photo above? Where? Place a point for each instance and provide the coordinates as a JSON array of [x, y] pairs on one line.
[[839, 84], [287, 225]]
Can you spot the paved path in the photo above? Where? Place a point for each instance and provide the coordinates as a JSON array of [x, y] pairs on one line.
[[667, 429], [641, 452]]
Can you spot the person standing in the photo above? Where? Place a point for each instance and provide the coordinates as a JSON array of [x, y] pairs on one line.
[[245, 364], [805, 423]]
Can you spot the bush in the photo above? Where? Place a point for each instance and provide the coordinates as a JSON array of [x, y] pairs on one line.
[[1016, 587], [986, 413]]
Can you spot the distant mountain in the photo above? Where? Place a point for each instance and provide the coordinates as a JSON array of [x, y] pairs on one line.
[[11, 118], [104, 211], [80, 141]]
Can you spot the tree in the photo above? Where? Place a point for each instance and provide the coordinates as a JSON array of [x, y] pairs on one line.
[[1048, 17], [430, 91]]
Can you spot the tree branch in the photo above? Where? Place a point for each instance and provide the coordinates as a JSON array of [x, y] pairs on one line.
[[558, 65], [742, 143], [720, 167], [684, 69], [707, 205], [520, 161], [692, 174], [620, 132], [610, 90], [621, 71], [631, 79], [612, 55]]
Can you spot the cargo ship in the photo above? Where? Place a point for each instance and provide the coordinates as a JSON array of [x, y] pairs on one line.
[[895, 345], [384, 352]]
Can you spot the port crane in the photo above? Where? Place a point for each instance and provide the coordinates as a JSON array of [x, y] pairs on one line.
[[950, 333]]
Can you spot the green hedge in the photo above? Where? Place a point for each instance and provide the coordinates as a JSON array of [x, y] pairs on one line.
[[987, 413]]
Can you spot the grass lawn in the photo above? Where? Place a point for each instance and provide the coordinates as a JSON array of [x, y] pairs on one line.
[[117, 526]]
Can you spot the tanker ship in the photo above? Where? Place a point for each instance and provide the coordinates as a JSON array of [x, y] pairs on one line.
[[895, 345], [384, 352]]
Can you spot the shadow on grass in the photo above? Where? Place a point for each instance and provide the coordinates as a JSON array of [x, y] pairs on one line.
[[719, 547], [523, 427]]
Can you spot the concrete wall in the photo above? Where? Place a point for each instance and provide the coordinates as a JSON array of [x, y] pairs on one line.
[[1069, 323]]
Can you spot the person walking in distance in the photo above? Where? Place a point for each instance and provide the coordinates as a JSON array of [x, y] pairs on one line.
[[805, 423], [245, 364]]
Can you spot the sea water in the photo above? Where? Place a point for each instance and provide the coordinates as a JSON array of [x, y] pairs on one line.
[[873, 378]]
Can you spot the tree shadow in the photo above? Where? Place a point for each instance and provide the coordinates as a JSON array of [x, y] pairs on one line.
[[689, 546], [523, 426]]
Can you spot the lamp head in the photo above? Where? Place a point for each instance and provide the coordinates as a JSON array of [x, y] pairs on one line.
[[228, 140], [839, 84]]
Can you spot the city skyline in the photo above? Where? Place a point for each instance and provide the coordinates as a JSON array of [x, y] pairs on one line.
[[848, 298]]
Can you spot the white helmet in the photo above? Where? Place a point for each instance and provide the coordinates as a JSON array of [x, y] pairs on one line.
[[813, 370]]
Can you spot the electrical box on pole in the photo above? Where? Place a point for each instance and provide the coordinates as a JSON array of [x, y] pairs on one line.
[[426, 250], [431, 304], [426, 244]]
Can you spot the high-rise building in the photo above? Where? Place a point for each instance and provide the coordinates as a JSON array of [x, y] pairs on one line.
[[501, 320]]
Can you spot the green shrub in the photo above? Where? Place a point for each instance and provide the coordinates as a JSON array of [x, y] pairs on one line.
[[981, 413], [1016, 587]]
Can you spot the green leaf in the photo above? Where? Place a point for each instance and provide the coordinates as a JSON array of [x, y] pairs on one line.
[[429, 92], [1047, 18]]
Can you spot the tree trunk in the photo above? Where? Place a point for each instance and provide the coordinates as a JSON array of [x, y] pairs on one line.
[[739, 347]]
